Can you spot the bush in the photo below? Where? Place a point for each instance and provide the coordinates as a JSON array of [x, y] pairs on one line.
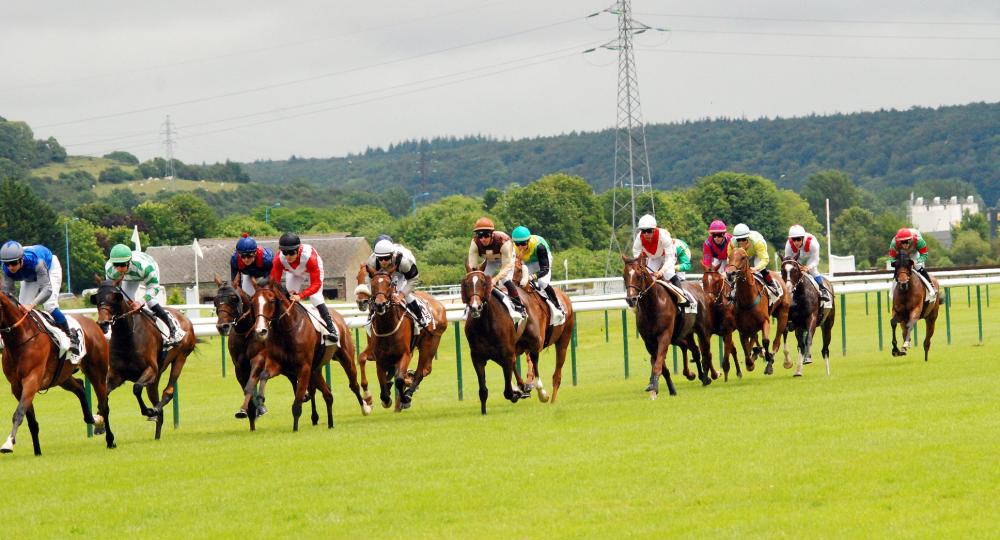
[[115, 175], [122, 157]]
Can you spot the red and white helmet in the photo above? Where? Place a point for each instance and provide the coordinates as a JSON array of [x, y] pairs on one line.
[[904, 234], [717, 226], [647, 222]]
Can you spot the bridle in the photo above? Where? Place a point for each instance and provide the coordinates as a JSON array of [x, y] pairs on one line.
[[111, 310], [797, 265], [226, 307], [474, 294], [718, 296], [380, 309], [739, 277], [644, 275], [271, 320], [26, 315]]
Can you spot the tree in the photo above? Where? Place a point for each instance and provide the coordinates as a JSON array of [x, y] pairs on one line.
[[17, 142], [108, 237], [26, 218], [115, 175], [795, 210], [449, 217], [830, 184], [491, 197], [195, 213], [396, 201], [234, 226], [47, 151], [446, 251], [9, 169], [86, 256], [122, 157], [559, 207], [969, 248], [972, 222], [102, 214], [163, 223], [854, 233], [741, 198]]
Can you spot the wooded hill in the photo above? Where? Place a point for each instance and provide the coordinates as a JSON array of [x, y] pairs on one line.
[[880, 150]]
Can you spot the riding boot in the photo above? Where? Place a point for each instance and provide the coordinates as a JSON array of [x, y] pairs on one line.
[[923, 272], [675, 280], [74, 339], [324, 312], [552, 297], [415, 308], [515, 298], [824, 294], [163, 316], [771, 286]]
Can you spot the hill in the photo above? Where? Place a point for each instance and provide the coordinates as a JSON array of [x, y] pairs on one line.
[[882, 149]]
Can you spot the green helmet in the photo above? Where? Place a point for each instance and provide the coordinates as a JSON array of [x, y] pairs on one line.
[[120, 254], [520, 234]]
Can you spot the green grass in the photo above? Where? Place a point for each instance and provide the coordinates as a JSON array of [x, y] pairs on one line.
[[92, 165], [883, 447], [144, 187]]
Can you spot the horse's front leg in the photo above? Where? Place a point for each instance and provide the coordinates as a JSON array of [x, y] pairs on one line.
[[25, 394], [895, 348], [403, 399], [656, 370], [148, 376]]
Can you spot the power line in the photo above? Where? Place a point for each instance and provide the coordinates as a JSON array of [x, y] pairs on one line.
[[306, 79], [827, 56], [849, 36], [825, 21]]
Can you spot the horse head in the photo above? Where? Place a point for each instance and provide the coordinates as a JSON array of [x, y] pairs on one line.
[[714, 284], [110, 302], [637, 278], [268, 306], [476, 288], [791, 271], [903, 270], [383, 292], [738, 266], [231, 306], [363, 293]]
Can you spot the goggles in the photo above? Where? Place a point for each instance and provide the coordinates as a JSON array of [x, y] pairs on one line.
[[484, 234]]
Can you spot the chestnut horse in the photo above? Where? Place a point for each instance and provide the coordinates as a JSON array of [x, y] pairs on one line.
[[538, 316], [492, 334], [806, 313], [392, 341], [753, 314], [909, 306], [722, 320], [233, 320], [137, 353], [660, 324], [31, 364]]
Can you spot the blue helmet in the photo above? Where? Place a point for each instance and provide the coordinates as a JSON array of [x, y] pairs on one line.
[[520, 234], [381, 237], [246, 244]]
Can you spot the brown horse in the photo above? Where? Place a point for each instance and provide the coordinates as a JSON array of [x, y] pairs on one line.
[[392, 340], [137, 353], [660, 324], [806, 313], [753, 314], [722, 320], [909, 305], [492, 334], [31, 364], [233, 320], [539, 317]]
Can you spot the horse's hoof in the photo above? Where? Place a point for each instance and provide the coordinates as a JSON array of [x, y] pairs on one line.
[[750, 367], [366, 409], [386, 404], [653, 395], [241, 414], [405, 405], [649, 388], [543, 396], [112, 445], [797, 374], [787, 364], [98, 425], [151, 418], [768, 369], [261, 410], [706, 381], [368, 398], [8, 446], [807, 361], [689, 376]]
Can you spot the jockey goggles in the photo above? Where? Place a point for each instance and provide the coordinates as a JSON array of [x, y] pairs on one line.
[[718, 234], [796, 239], [120, 264], [484, 234], [289, 252], [18, 262], [645, 231]]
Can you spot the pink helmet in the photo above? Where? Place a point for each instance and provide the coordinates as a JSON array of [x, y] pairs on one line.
[[717, 226]]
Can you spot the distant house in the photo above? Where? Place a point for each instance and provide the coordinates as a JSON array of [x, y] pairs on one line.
[[936, 218], [342, 256]]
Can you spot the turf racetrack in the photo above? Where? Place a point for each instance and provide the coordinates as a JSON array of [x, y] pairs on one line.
[[884, 447]]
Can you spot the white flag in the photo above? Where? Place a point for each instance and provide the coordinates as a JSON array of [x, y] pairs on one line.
[[135, 237], [197, 249]]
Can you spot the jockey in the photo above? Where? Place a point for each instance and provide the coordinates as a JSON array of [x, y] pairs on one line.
[[661, 253], [390, 256], [536, 259], [495, 249], [913, 243], [804, 249], [756, 247], [683, 258], [305, 277], [135, 268], [715, 251], [39, 270], [250, 262]]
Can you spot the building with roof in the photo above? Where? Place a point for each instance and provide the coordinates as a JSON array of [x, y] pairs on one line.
[[936, 218], [342, 257]]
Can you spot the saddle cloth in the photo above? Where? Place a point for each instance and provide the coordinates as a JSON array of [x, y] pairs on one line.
[[556, 316], [62, 340], [771, 298], [318, 324], [823, 304], [164, 330], [692, 306], [928, 298], [504, 298]]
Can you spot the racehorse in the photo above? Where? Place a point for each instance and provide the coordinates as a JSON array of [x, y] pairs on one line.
[[661, 324], [492, 334], [722, 321], [538, 314], [806, 313], [391, 341], [753, 312], [233, 320], [137, 353], [31, 363], [909, 305]]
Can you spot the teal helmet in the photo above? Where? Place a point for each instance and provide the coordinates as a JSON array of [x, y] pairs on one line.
[[120, 254], [520, 234]]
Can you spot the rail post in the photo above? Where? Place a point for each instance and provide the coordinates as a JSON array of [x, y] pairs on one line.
[[625, 339], [572, 351], [605, 326], [878, 309], [843, 324], [177, 405], [979, 314], [90, 405], [968, 294], [357, 344], [987, 295], [866, 303], [674, 347], [722, 350], [458, 359], [329, 378], [947, 312], [519, 365], [223, 349]]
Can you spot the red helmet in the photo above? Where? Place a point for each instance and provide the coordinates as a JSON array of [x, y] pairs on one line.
[[904, 234], [717, 226]]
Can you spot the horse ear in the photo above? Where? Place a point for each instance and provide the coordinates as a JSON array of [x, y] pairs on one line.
[[624, 258], [93, 299], [218, 282], [468, 267], [98, 279]]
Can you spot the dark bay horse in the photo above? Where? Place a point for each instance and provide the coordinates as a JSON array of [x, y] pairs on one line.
[[722, 320], [31, 364], [806, 313], [539, 319], [234, 320], [753, 314], [137, 353], [660, 324], [492, 334], [392, 340], [909, 306]]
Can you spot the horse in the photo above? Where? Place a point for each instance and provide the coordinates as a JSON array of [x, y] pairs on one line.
[[909, 305], [232, 310], [32, 365], [137, 353], [492, 334], [660, 324], [753, 312], [722, 321], [806, 313], [538, 312], [392, 342]]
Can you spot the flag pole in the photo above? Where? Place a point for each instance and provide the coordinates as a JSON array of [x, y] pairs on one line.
[[829, 235]]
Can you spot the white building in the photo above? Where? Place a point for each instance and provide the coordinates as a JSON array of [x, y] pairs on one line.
[[936, 218]]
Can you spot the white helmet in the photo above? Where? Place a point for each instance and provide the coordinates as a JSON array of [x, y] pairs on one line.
[[796, 231], [384, 248], [741, 231], [647, 222]]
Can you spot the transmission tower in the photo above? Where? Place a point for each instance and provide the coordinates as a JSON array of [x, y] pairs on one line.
[[632, 179], [168, 142]]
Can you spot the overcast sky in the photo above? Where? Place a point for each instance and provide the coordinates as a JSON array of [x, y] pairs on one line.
[[255, 80]]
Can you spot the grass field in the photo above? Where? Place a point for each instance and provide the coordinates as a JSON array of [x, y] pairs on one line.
[[149, 187], [884, 447], [92, 165]]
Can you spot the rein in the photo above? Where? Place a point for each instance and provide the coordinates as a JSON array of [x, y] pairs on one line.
[[642, 292], [739, 277], [391, 303]]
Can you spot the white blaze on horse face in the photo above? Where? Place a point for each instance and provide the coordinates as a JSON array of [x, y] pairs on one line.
[[260, 315]]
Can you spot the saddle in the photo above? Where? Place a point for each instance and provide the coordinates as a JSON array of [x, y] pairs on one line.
[[60, 339], [556, 316], [512, 310], [318, 324], [164, 329], [772, 295], [681, 295]]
